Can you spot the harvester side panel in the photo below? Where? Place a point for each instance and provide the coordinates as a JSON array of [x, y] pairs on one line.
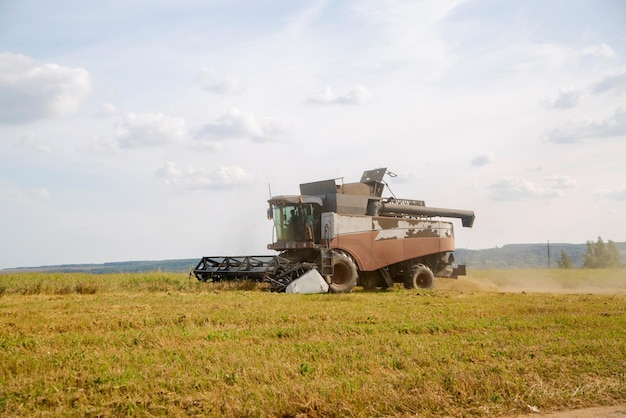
[[371, 255], [377, 242]]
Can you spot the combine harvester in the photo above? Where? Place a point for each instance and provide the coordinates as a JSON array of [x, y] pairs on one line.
[[335, 235]]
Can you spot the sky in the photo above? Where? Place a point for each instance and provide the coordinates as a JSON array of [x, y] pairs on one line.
[[153, 129]]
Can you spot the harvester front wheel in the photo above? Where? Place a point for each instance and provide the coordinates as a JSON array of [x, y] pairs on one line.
[[344, 275], [419, 277]]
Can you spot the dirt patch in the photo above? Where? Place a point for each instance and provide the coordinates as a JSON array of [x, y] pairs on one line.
[[618, 411]]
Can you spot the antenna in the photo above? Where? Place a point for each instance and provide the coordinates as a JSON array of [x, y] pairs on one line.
[[390, 174]]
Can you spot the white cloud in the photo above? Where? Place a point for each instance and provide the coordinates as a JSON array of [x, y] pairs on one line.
[[615, 83], [618, 193], [169, 171], [581, 129], [149, 129], [533, 63], [108, 109], [483, 159], [239, 125], [31, 91], [29, 142], [357, 96], [193, 179], [207, 146], [566, 98], [570, 97], [561, 182], [602, 50], [12, 192], [515, 188], [98, 145], [39, 193], [407, 35], [225, 86]]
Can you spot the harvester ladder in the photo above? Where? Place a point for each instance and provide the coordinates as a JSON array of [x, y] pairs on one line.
[[327, 262]]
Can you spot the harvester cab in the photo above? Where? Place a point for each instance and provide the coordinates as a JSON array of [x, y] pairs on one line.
[[298, 218]]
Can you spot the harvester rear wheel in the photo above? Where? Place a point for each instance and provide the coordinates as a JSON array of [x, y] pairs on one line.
[[419, 277], [345, 273]]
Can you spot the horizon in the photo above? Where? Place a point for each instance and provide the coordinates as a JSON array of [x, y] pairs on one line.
[[557, 244], [152, 129]]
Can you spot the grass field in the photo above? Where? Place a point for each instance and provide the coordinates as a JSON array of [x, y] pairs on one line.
[[492, 344]]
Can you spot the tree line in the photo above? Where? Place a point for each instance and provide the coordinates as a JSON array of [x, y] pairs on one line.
[[599, 255]]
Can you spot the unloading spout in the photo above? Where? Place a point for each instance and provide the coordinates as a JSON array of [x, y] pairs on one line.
[[467, 216]]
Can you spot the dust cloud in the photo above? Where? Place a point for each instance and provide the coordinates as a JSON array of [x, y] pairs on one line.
[[537, 282]]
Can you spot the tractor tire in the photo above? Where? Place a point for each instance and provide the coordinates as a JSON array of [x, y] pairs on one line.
[[345, 274], [419, 277]]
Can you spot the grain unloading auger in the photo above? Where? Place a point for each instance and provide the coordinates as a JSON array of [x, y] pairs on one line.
[[348, 234]]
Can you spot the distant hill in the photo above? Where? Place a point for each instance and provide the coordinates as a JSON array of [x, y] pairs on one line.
[[181, 265], [517, 256], [510, 256]]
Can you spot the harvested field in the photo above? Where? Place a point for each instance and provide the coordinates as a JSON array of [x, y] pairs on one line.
[[163, 344]]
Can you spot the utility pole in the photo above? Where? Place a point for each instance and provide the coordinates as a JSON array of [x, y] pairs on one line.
[[549, 255]]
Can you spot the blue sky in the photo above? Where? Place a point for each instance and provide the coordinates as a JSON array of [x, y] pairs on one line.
[[151, 129]]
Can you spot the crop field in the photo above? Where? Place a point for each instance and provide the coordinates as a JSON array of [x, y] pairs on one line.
[[495, 343]]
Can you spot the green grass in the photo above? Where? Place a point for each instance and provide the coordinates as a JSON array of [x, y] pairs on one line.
[[164, 344]]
